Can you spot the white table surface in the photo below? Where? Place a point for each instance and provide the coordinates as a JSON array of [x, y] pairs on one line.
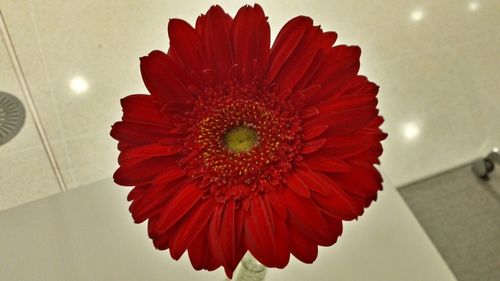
[[88, 234]]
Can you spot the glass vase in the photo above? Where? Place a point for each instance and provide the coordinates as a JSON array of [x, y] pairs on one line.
[[250, 270]]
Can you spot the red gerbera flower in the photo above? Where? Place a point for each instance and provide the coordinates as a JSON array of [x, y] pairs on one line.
[[246, 147]]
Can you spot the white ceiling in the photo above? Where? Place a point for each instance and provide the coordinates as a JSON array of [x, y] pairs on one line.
[[437, 63]]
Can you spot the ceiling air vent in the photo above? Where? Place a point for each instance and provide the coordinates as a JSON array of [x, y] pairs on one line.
[[12, 115]]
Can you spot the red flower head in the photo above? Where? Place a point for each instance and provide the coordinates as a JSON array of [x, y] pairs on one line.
[[246, 147]]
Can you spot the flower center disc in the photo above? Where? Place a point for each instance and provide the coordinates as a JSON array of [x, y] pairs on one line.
[[240, 139]]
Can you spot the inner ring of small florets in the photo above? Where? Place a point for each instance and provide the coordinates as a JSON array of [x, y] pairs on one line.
[[241, 135]]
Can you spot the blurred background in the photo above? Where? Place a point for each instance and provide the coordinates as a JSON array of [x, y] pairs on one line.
[[437, 64]]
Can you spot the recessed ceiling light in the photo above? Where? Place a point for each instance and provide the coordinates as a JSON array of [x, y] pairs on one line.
[[411, 131], [473, 6], [79, 85], [417, 15]]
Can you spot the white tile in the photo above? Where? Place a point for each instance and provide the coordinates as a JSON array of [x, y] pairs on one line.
[[28, 136], [26, 175], [64, 163], [439, 100], [25, 171], [94, 157], [19, 20]]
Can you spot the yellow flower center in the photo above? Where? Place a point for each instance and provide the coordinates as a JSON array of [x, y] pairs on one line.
[[240, 139]]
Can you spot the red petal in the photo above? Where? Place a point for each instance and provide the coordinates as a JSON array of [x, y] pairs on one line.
[[313, 41], [259, 232], [152, 226], [362, 180], [123, 146], [140, 173], [141, 109], [309, 112], [310, 132], [282, 250], [344, 65], [240, 231], [305, 216], [320, 162], [287, 40], [213, 234], [214, 29], [340, 66], [338, 203], [191, 228], [171, 172], [345, 122], [375, 123], [151, 202], [314, 180], [200, 255], [141, 153], [311, 72], [358, 86], [224, 237], [278, 204], [298, 97], [163, 80], [365, 142], [139, 134], [343, 103], [161, 242], [335, 225], [137, 192], [186, 44], [227, 238], [355, 141], [312, 146], [347, 152], [301, 247], [358, 92], [370, 156], [297, 185], [178, 206], [251, 36]]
